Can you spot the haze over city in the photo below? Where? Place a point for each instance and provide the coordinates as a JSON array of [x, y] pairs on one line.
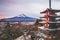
[[11, 8]]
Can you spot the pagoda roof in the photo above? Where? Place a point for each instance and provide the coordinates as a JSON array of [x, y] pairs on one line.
[[49, 22], [43, 28], [50, 10], [51, 16]]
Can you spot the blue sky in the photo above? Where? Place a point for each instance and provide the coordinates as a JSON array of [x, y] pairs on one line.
[[11, 8]]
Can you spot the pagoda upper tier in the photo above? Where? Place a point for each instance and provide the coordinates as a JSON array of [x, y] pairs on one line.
[[51, 11]]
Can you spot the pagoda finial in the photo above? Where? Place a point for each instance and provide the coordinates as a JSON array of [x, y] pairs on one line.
[[49, 4]]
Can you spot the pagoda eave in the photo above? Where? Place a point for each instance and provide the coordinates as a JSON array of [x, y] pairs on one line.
[[50, 22], [50, 10], [53, 16], [49, 29], [50, 16]]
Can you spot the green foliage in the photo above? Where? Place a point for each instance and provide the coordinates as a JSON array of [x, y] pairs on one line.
[[10, 33], [17, 33], [7, 35], [37, 22], [34, 29]]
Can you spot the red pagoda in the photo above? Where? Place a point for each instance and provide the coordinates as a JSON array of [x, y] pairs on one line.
[[50, 23]]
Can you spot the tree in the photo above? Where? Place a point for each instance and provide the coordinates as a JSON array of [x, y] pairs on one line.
[[10, 33], [7, 35], [37, 22]]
